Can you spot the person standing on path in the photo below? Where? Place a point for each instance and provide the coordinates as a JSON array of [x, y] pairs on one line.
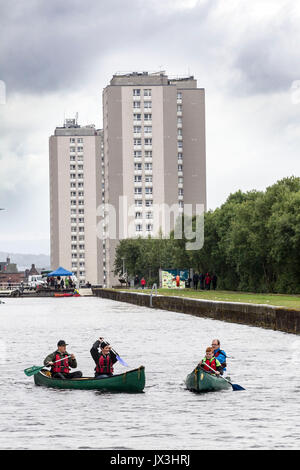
[[214, 280], [207, 281], [195, 280]]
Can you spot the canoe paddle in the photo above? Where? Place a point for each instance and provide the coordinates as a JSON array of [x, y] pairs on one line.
[[235, 387], [35, 369]]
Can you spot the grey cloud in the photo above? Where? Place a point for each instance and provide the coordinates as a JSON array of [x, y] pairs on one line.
[[268, 60], [50, 46]]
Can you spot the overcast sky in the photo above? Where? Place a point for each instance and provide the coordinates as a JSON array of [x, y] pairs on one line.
[[56, 57]]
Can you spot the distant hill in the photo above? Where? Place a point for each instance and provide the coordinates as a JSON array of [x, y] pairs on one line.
[[25, 261]]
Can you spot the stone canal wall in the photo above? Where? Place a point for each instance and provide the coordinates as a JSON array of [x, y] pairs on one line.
[[264, 316]]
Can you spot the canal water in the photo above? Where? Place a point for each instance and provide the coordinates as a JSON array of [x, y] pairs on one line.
[[166, 416]]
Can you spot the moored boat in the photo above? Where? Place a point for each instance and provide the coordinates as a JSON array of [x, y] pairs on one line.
[[201, 381], [132, 381]]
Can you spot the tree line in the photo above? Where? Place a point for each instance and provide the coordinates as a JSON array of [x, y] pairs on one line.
[[252, 242]]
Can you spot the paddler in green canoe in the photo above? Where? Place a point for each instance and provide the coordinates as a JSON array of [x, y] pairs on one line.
[[210, 363], [104, 360], [61, 362]]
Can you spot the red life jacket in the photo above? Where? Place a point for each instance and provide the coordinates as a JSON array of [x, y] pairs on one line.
[[105, 365], [212, 364], [62, 366]]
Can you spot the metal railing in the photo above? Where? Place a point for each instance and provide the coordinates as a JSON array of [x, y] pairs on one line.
[[154, 287]]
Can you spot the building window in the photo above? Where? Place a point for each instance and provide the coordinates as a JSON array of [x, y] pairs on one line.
[[138, 166], [137, 154], [149, 227], [148, 141], [138, 228], [148, 117], [179, 144], [72, 140], [137, 129], [179, 107], [136, 104], [180, 192], [79, 140], [148, 166], [138, 215], [148, 179], [148, 129], [179, 132], [136, 92], [148, 153], [79, 149], [138, 202], [137, 141], [137, 117], [148, 104], [137, 190], [179, 95], [147, 92], [137, 178], [148, 190], [180, 155], [149, 215], [180, 167], [148, 203]]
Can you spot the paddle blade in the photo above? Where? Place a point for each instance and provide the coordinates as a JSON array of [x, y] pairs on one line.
[[32, 370], [121, 361], [236, 387]]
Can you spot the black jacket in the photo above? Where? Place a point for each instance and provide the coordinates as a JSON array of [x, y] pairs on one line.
[[96, 354]]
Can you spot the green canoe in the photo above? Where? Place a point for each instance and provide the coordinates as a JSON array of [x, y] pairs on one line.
[[201, 381], [132, 381]]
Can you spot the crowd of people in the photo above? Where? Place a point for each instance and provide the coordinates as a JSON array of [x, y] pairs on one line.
[[205, 281], [60, 283]]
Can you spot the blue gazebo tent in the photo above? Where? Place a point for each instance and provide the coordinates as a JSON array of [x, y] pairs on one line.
[[60, 272]]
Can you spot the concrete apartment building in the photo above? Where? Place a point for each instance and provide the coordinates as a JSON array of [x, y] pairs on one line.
[[75, 158], [154, 153]]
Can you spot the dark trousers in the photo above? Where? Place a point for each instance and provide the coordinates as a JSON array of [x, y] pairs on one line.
[[70, 375], [196, 285]]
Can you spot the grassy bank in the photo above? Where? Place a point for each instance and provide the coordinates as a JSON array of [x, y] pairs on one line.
[[279, 300]]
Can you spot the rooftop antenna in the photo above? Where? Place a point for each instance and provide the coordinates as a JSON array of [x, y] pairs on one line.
[[76, 119]]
